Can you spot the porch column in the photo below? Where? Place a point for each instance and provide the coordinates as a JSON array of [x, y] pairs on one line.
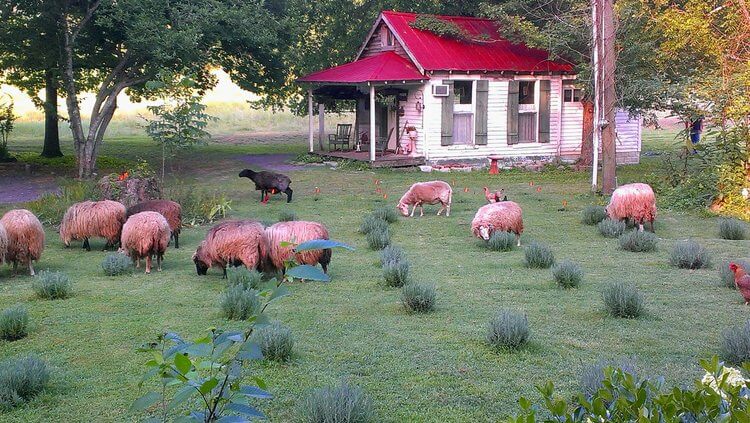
[[311, 119], [372, 123], [321, 124]]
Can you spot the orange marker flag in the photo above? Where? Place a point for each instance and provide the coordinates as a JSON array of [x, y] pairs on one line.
[[531, 183], [565, 203], [538, 189], [466, 189], [385, 196]]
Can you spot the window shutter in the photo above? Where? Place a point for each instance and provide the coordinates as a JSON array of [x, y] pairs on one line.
[[480, 120], [446, 125], [512, 112], [544, 110]]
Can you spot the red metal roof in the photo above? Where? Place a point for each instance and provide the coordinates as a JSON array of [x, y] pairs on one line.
[[489, 52], [386, 66]]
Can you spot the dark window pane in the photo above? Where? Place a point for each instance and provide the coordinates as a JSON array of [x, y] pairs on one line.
[[577, 95], [526, 92], [462, 92], [567, 96]]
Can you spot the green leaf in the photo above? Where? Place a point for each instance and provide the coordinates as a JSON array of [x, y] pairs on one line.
[[246, 410], [281, 291], [308, 272], [181, 396], [321, 244], [182, 363], [146, 401], [255, 392], [250, 351], [208, 385]]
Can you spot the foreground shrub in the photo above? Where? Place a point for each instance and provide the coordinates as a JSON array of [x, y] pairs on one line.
[[52, 285], [623, 300], [392, 253], [593, 215], [539, 256], [240, 275], [386, 214], [14, 323], [371, 223], [508, 330], [732, 229], [593, 375], [115, 264], [418, 297], [396, 273], [379, 238], [637, 241], [501, 241], [611, 228], [567, 274], [21, 379], [726, 276], [343, 403], [735, 344], [689, 255], [238, 303], [287, 216], [275, 340]]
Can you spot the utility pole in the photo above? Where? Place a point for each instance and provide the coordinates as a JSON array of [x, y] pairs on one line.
[[596, 47]]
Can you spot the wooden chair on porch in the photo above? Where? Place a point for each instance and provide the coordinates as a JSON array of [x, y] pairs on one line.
[[341, 138], [381, 143]]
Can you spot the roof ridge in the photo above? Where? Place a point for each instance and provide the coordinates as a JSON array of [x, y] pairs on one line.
[[468, 18]]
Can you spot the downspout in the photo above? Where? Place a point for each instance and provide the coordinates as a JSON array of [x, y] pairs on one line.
[[560, 98]]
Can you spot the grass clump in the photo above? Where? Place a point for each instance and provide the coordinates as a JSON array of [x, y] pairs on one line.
[[726, 276], [275, 340], [396, 273], [623, 300], [238, 303], [501, 241], [611, 228], [392, 253], [379, 238], [592, 376], [14, 323], [386, 214], [567, 274], [247, 279], [508, 330], [735, 344], [539, 256], [343, 403], [689, 255], [371, 223], [21, 379], [592, 215], [418, 297], [733, 229], [638, 241], [287, 216], [52, 285], [115, 264]]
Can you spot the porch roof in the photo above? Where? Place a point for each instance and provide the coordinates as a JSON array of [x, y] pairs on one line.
[[383, 67]]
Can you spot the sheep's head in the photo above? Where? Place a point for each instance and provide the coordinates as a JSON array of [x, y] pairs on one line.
[[403, 208], [247, 173], [485, 231], [733, 267], [201, 266]]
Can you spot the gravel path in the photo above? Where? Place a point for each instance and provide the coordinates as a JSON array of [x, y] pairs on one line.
[[19, 189], [273, 162]]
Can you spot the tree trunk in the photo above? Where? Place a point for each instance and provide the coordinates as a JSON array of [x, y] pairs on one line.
[[608, 98], [587, 140], [51, 132]]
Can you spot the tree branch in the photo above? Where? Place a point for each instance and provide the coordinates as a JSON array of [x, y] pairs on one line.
[[89, 14]]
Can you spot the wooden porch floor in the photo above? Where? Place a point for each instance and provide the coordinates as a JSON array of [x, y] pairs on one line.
[[381, 160]]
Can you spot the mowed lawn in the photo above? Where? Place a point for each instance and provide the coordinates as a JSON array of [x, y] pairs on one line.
[[422, 368]]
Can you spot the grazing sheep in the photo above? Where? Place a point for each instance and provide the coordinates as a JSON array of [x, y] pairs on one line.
[[297, 232], [145, 234], [636, 202], [503, 216], [266, 182], [232, 242], [421, 193], [93, 219], [3, 243], [171, 210], [25, 238]]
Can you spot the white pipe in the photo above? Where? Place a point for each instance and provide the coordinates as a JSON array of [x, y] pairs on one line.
[[372, 123], [311, 120], [597, 111]]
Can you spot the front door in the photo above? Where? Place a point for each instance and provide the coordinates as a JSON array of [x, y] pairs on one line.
[[463, 112]]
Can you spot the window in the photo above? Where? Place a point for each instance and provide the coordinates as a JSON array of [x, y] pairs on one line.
[[386, 37], [572, 95], [462, 92], [526, 92], [389, 38]]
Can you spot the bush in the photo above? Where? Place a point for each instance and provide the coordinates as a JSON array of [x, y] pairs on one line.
[[726, 276], [418, 297], [567, 274], [539, 256], [501, 241], [52, 285], [396, 273], [379, 239], [593, 215], [287, 216], [199, 206], [508, 330], [51, 207], [623, 300], [371, 223], [343, 403], [115, 264], [14, 323], [386, 214], [391, 253], [732, 229], [735, 344], [689, 255], [592, 376], [238, 303], [611, 228], [247, 279], [21, 379], [275, 340], [637, 241]]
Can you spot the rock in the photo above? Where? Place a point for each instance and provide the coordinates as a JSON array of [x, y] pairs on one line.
[[129, 191]]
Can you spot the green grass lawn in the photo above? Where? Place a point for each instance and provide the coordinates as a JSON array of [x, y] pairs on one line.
[[424, 368]]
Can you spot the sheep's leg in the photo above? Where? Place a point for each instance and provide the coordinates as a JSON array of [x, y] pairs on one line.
[[652, 226], [176, 240], [518, 240], [288, 192], [640, 227], [15, 269], [421, 210], [224, 275], [412, 210], [31, 268], [159, 259], [442, 207], [137, 263], [148, 264], [86, 244], [262, 195]]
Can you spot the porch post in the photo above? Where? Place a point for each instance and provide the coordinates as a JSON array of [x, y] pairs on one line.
[[372, 123], [321, 123], [311, 119]]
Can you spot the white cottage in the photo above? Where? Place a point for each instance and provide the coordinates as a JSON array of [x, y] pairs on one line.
[[435, 98]]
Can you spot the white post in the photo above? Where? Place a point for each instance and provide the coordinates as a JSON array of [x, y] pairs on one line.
[[597, 87], [321, 123], [372, 123], [311, 118]]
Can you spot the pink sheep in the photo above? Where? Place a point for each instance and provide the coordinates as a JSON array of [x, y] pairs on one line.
[[421, 193], [231, 242], [171, 210], [636, 202], [295, 232], [145, 234], [3, 243], [505, 216], [25, 238], [93, 219]]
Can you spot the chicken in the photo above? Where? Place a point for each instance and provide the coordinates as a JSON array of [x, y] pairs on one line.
[[494, 197], [741, 281]]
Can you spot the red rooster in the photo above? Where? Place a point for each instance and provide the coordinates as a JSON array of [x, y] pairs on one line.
[[494, 197], [741, 280]]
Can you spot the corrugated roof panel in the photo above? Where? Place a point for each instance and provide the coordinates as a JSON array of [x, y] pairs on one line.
[[386, 66]]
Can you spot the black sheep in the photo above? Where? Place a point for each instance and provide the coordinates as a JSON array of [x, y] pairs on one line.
[[266, 182]]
